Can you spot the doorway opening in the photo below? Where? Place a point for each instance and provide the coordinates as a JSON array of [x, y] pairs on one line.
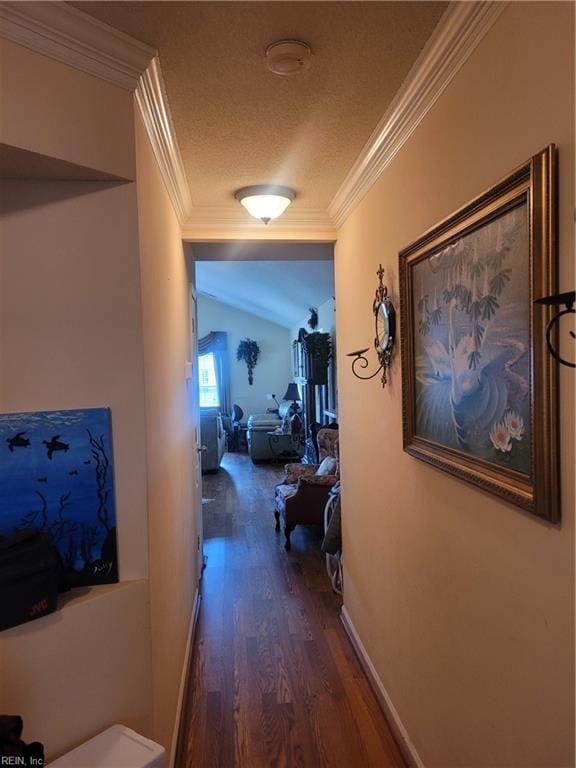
[[266, 349], [269, 635], [265, 363]]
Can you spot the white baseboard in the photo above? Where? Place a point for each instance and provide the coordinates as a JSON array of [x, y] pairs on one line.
[[184, 678], [400, 733]]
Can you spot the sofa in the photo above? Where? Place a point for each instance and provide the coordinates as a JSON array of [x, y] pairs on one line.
[[213, 438], [261, 445], [259, 425]]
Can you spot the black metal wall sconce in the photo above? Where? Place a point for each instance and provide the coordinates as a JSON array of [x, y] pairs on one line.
[[567, 299], [385, 326]]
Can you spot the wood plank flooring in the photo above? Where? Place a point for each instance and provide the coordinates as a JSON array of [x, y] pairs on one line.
[[274, 681]]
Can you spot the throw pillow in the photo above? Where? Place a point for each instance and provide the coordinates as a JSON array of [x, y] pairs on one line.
[[327, 467]]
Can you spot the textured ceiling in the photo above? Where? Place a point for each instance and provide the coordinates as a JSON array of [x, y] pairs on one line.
[[280, 291], [237, 123]]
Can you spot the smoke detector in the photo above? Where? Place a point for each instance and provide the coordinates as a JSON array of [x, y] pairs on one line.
[[288, 57]]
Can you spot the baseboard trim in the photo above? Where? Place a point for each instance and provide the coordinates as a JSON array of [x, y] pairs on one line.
[[397, 726], [184, 679]]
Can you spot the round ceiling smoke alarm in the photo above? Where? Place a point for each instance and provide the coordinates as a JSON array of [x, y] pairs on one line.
[[288, 57]]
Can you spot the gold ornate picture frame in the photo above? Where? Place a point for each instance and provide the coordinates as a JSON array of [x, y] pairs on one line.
[[479, 389]]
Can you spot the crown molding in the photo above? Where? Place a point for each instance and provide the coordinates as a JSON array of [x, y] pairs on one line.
[[459, 31], [235, 218], [153, 105], [64, 33], [69, 35]]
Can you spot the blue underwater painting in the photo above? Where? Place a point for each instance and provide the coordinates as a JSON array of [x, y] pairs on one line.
[[56, 475], [471, 325]]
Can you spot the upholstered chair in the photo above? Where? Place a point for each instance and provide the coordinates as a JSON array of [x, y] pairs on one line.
[[301, 496], [213, 438]]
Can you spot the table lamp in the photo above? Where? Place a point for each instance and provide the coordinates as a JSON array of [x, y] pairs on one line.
[[292, 393]]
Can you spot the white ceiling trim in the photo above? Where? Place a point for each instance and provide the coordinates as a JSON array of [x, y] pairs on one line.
[[73, 37], [236, 218], [459, 31], [69, 35], [153, 105]]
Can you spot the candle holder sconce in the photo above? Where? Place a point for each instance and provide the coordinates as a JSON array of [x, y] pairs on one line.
[[385, 326], [567, 299]]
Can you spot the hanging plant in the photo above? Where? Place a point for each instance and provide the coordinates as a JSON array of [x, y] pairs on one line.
[[313, 319], [249, 351], [318, 347]]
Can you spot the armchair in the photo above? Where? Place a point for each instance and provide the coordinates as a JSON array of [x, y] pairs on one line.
[[302, 495], [213, 436], [233, 428]]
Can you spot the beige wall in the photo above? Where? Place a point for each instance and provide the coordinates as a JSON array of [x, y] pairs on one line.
[[70, 315], [172, 495], [464, 604], [274, 369], [82, 287], [82, 669], [81, 118], [70, 308], [74, 307]]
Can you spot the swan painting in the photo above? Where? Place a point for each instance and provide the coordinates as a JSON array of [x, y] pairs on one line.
[[479, 387], [472, 345]]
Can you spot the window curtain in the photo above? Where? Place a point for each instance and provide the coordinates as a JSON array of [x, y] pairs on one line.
[[217, 343]]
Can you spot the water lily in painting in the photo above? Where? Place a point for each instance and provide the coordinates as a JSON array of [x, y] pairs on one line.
[[472, 345], [515, 424], [500, 437]]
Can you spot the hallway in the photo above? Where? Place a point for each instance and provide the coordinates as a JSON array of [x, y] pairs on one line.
[[274, 681]]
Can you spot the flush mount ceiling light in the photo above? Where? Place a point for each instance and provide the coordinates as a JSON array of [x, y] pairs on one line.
[[265, 201], [288, 57]]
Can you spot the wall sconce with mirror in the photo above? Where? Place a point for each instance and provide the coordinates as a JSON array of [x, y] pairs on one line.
[[567, 299], [385, 326]]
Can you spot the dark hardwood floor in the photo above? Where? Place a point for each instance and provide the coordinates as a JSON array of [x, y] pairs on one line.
[[273, 681]]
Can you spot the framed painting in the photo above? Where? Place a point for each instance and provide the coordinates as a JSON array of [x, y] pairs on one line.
[[57, 476], [478, 385]]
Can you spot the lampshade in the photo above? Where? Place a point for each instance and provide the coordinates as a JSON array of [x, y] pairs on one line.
[[292, 393], [265, 201]]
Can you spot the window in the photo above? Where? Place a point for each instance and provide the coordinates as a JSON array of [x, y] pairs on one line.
[[208, 381]]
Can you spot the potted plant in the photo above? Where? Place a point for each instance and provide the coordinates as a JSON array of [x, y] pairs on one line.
[[318, 348], [249, 351]]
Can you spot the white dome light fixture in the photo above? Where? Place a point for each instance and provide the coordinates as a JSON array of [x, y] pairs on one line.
[[265, 201]]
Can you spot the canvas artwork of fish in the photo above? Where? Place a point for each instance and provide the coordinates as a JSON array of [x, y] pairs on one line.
[[56, 476]]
